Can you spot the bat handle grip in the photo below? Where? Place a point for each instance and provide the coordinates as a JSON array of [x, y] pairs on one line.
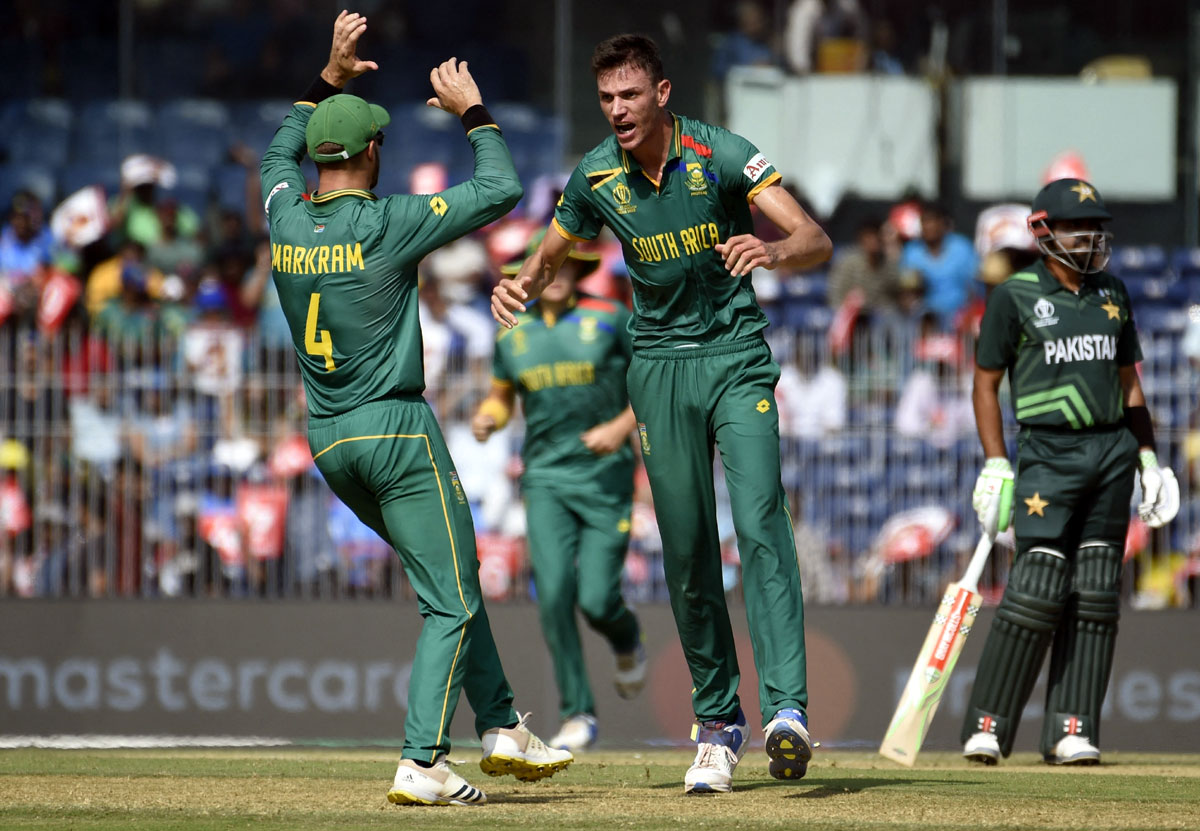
[[974, 571]]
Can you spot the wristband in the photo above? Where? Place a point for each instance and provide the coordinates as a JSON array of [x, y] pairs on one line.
[[1147, 458], [478, 116], [319, 90], [1137, 419], [496, 409]]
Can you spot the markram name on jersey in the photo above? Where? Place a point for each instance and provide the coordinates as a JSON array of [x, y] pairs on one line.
[[1081, 348], [319, 259]]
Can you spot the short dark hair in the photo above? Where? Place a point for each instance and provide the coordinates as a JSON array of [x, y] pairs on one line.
[[632, 50]]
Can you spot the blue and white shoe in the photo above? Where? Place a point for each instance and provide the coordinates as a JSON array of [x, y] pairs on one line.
[[720, 745], [788, 746]]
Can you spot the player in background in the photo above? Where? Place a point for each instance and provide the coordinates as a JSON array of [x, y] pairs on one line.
[[567, 363], [345, 264], [1063, 331], [677, 192]]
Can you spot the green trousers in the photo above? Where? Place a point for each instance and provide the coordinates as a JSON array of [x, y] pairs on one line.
[[388, 462], [577, 542], [688, 401]]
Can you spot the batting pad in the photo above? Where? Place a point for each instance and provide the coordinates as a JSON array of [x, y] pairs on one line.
[[1015, 646], [1082, 655]]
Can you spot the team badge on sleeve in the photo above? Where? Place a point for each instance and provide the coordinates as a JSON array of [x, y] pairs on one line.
[[756, 167]]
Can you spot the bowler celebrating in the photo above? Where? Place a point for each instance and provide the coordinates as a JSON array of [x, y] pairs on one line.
[[677, 192]]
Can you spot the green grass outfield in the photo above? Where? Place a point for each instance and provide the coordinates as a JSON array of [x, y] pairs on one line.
[[300, 789]]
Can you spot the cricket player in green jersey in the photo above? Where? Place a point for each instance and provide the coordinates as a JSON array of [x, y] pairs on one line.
[[1063, 332], [345, 264], [677, 193], [567, 362]]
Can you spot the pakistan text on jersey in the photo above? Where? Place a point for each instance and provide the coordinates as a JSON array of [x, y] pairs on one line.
[[558, 374], [673, 244], [1081, 348], [319, 259]]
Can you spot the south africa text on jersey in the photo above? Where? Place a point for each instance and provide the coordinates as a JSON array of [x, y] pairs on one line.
[[672, 244], [319, 259], [559, 374]]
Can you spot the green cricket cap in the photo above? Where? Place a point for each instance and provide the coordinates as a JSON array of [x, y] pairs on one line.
[[346, 120], [1069, 199], [590, 259]]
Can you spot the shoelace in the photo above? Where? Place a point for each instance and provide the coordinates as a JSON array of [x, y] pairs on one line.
[[711, 756]]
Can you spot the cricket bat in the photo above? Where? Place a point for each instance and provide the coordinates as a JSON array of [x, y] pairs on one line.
[[943, 644]]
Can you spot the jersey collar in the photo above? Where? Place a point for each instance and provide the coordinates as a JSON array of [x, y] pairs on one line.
[[329, 196], [549, 318], [630, 164], [1049, 283]]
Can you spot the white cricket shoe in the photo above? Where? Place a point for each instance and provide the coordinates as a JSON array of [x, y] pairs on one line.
[[1074, 750], [438, 785], [577, 733], [788, 745], [517, 751], [631, 672], [719, 747], [983, 748]]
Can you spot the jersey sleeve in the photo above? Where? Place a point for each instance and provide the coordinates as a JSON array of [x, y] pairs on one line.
[[575, 217], [421, 223], [741, 167], [1129, 348], [282, 180], [999, 332]]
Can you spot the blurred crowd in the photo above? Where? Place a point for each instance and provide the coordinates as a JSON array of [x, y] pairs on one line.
[[151, 417], [153, 421]]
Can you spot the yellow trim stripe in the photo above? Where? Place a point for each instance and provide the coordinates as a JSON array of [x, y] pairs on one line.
[[481, 126], [678, 137], [304, 104], [462, 633], [767, 182], [652, 180], [334, 194], [501, 382], [441, 493], [564, 233], [608, 175]]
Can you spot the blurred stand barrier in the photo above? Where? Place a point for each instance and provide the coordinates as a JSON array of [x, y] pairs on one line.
[[171, 462], [876, 136], [238, 669]]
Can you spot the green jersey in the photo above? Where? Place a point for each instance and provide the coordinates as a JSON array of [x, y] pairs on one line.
[[570, 375], [345, 265], [1062, 350], [682, 293]]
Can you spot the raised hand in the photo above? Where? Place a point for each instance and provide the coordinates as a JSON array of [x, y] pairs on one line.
[[509, 296], [344, 62], [454, 89]]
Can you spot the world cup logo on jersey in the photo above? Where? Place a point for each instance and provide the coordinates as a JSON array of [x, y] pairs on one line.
[[623, 196], [1044, 311]]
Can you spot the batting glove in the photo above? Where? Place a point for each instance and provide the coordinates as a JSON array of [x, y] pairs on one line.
[[993, 496], [1160, 491]]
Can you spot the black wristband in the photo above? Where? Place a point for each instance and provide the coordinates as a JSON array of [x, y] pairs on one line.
[[1137, 419], [478, 116], [319, 90]]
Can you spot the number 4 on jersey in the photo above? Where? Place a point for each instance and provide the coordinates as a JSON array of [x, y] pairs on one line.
[[314, 346]]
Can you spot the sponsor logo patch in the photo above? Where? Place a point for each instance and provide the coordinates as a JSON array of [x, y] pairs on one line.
[[319, 229], [271, 195], [438, 205], [645, 438], [756, 167]]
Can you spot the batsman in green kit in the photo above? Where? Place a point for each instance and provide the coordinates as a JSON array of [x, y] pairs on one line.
[[1063, 332], [345, 264], [678, 195]]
